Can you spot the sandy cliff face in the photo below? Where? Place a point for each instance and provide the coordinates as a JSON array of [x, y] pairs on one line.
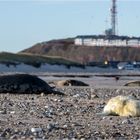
[[84, 54]]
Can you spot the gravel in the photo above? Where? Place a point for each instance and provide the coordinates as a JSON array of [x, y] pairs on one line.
[[66, 117]]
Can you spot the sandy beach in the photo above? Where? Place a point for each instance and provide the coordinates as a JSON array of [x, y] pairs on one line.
[[71, 116]]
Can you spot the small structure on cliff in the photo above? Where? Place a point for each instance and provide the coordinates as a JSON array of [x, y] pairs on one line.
[[104, 40]]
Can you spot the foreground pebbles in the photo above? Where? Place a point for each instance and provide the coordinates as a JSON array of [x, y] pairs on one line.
[[65, 117]]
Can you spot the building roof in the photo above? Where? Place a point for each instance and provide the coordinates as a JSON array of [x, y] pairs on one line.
[[111, 37]]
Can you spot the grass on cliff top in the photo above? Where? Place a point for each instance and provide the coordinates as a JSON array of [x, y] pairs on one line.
[[34, 60]]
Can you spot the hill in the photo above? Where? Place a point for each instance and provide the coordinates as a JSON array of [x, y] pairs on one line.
[[33, 60], [65, 48]]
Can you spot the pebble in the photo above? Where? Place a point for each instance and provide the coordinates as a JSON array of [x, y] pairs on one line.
[[104, 117], [2, 111], [42, 94], [94, 96], [49, 112], [74, 139], [55, 100], [50, 126], [65, 126], [36, 130], [76, 96], [46, 106], [82, 139], [12, 112], [127, 122], [14, 137]]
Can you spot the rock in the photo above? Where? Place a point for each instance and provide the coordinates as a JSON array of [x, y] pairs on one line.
[[49, 112], [42, 94], [127, 122], [50, 126], [6, 132], [65, 126], [2, 111], [36, 130], [76, 96], [12, 112], [14, 137], [94, 96], [82, 139]]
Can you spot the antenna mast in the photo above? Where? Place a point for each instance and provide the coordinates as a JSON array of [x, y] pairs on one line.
[[113, 17]]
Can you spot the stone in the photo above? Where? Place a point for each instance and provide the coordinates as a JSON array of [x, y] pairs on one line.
[[36, 130]]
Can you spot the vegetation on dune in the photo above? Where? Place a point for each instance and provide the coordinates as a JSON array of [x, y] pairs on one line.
[[34, 60]]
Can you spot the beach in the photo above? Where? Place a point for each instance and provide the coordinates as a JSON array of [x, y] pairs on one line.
[[72, 116]]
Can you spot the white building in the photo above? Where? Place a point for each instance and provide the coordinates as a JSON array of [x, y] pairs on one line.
[[103, 40]]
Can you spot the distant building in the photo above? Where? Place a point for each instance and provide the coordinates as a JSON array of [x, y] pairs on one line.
[[110, 38], [104, 40]]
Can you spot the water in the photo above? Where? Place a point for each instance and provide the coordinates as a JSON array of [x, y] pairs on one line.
[[53, 68]]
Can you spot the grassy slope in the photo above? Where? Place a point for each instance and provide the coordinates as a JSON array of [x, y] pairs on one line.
[[35, 60]]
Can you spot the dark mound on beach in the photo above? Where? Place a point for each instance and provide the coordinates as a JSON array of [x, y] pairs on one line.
[[70, 82], [23, 83], [133, 84]]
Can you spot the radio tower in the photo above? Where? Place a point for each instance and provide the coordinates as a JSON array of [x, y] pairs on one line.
[[113, 17]]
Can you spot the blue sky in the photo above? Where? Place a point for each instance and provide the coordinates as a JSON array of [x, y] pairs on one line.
[[25, 23]]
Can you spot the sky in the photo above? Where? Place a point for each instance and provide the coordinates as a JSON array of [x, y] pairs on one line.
[[24, 23]]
